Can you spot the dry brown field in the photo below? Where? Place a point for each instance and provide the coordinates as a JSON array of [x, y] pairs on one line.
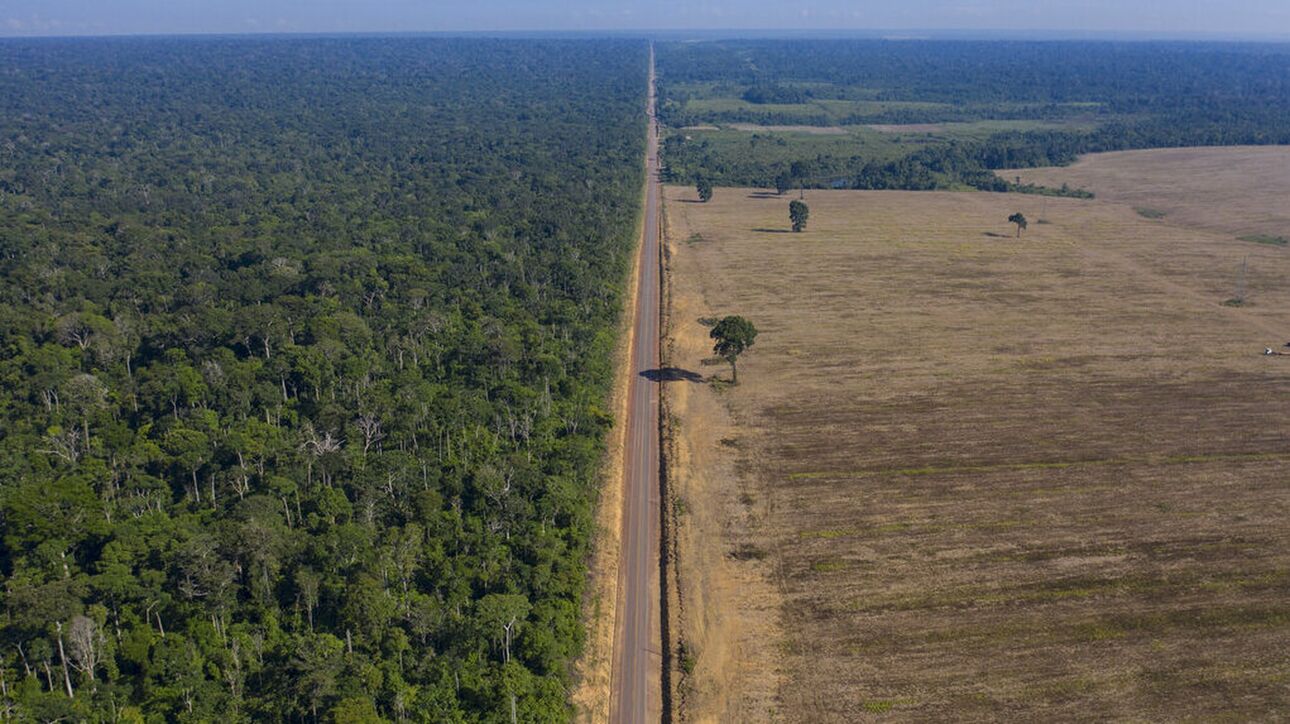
[[971, 477], [1239, 190]]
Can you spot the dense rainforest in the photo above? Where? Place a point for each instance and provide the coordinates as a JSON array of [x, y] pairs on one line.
[[1114, 96], [304, 348]]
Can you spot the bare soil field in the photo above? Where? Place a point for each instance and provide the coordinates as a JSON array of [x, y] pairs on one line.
[[1239, 190], [971, 477]]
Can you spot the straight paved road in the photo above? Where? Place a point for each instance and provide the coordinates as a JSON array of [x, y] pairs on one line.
[[637, 668]]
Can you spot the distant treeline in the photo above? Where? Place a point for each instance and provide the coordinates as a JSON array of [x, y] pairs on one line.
[[1141, 95], [1119, 77]]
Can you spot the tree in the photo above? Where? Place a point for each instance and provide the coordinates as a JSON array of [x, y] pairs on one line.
[[354, 710], [783, 182], [85, 641], [733, 335], [704, 188], [189, 449], [1020, 220], [798, 213], [500, 617], [800, 172]]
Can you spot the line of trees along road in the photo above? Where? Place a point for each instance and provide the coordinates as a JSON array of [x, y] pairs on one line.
[[304, 348]]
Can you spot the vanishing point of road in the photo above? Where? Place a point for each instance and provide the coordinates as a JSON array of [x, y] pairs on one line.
[[635, 695]]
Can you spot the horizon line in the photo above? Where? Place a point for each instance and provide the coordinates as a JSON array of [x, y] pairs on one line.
[[895, 34]]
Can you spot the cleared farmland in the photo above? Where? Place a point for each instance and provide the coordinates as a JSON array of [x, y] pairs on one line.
[[1238, 190], [969, 476]]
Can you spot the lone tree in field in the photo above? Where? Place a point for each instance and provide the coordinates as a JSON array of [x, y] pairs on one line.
[[783, 182], [1020, 220], [734, 335], [800, 171], [798, 213], [704, 187]]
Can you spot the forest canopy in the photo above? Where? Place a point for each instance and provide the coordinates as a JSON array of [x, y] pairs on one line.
[[305, 345]]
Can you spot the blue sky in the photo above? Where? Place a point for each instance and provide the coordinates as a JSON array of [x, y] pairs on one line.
[[82, 17]]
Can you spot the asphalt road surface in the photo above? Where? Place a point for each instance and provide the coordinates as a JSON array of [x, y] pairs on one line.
[[637, 666]]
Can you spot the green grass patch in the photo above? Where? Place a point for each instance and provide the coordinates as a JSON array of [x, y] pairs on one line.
[[687, 658], [826, 534], [891, 528], [1149, 213], [1265, 239], [830, 566], [878, 706]]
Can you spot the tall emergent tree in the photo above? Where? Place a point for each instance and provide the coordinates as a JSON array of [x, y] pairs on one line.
[[1020, 220], [733, 335], [798, 213], [704, 187]]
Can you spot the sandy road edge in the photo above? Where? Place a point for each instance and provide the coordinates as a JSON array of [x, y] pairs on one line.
[[593, 669], [674, 655], [723, 608]]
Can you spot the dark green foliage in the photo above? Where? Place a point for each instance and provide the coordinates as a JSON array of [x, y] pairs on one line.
[[733, 335], [704, 187], [304, 348], [774, 93], [1019, 219], [798, 213]]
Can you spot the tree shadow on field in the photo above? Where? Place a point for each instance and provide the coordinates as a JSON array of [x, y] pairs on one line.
[[672, 374], [772, 231]]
